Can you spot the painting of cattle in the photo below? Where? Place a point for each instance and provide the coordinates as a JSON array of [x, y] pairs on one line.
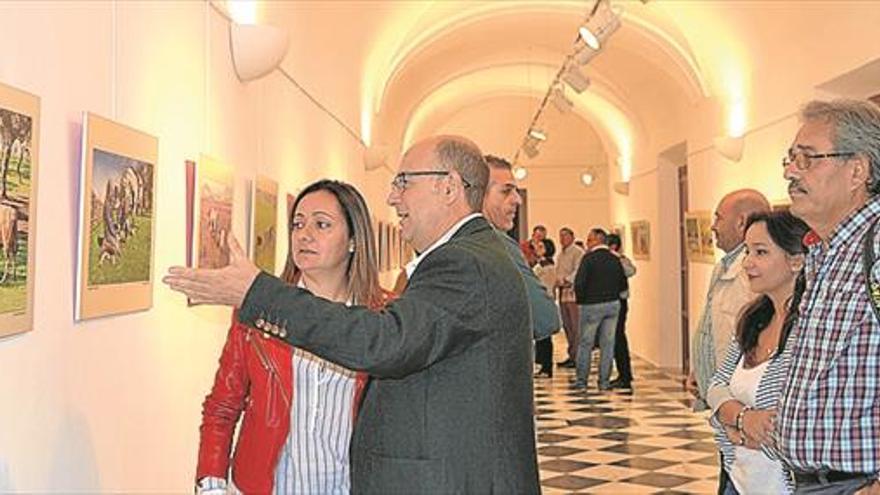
[[264, 211], [117, 219], [210, 194], [19, 139]]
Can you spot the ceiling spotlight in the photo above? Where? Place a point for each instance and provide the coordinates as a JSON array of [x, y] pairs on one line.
[[537, 134], [587, 178], [530, 148], [585, 54], [519, 173], [559, 100], [599, 27], [575, 78]]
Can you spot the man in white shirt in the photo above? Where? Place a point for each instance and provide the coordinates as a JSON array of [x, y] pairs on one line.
[[566, 267]]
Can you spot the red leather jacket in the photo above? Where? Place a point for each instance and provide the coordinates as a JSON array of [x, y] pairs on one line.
[[255, 377]]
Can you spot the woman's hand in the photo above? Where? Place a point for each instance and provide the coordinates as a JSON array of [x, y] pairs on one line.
[[758, 426]]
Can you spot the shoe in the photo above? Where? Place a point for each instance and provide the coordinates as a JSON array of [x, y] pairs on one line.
[[568, 363], [544, 374], [580, 386], [619, 383]]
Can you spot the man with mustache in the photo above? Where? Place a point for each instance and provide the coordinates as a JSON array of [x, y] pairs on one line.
[[500, 205], [449, 408], [829, 417]]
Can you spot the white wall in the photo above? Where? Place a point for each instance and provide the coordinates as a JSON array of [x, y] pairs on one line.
[[113, 404]]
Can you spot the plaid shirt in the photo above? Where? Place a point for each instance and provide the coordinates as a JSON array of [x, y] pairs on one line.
[[830, 411]]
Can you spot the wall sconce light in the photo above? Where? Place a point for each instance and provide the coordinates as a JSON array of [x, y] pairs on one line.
[[256, 49], [730, 147], [520, 173], [575, 78], [621, 188]]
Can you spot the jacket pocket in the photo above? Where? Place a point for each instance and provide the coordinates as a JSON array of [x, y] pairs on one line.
[[405, 475]]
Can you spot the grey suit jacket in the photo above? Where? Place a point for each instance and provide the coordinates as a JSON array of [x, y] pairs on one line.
[[545, 314], [450, 407]]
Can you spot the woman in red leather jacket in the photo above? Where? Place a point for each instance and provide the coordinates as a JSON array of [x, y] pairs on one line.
[[298, 409]]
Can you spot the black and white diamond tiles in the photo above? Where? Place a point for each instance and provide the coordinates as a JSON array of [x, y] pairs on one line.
[[642, 441]]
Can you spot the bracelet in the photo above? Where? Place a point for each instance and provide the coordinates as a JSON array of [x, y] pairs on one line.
[[739, 417]]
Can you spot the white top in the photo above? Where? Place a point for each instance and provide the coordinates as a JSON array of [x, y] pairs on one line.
[[315, 455], [753, 472]]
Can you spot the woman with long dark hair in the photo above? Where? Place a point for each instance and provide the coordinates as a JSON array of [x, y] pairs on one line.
[[298, 408], [745, 390]]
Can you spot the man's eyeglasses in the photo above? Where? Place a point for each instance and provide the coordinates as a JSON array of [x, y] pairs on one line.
[[803, 160], [401, 180]]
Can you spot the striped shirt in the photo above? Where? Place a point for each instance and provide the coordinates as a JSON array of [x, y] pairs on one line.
[[315, 455], [830, 412], [766, 397]]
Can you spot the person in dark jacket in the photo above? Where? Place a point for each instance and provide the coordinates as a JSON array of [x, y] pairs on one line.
[[597, 287]]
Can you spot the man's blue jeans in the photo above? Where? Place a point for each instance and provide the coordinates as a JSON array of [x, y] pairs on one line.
[[600, 318]]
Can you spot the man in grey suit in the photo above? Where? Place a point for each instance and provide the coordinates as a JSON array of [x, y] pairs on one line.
[[499, 206], [450, 407]]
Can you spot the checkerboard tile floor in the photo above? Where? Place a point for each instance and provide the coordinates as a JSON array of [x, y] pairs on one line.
[[642, 441]]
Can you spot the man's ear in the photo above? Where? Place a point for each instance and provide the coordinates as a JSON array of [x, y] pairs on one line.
[[861, 171]]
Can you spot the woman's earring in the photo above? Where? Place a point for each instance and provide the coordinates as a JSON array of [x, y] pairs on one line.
[[350, 247]]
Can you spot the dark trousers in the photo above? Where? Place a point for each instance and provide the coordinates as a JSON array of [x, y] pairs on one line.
[[544, 354], [621, 346], [571, 318]]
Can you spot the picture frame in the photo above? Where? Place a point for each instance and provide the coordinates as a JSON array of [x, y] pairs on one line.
[[641, 239], [210, 197], [19, 160], [699, 243], [117, 228], [263, 229]]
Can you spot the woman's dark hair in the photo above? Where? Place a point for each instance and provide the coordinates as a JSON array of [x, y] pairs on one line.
[[363, 274], [787, 232]]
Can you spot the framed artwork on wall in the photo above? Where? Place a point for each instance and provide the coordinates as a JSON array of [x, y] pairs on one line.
[[19, 157], [641, 239], [264, 213], [116, 219], [210, 193], [699, 244]]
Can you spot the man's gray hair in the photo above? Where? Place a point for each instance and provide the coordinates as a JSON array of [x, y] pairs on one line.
[[466, 159], [855, 127]]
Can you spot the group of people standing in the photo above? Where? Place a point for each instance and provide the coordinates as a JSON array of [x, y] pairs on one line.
[[345, 388], [786, 352]]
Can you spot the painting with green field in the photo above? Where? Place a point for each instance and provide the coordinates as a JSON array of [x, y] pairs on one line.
[[121, 219], [19, 126], [116, 219], [265, 214]]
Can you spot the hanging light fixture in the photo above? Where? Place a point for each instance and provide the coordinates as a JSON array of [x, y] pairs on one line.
[[538, 134], [599, 26], [559, 100], [575, 78]]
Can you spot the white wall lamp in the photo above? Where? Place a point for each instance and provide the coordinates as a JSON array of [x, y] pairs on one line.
[[573, 76], [621, 188], [256, 49], [730, 147]]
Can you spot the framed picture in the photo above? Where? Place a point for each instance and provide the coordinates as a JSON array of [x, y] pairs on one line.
[[699, 244], [116, 219], [19, 156], [264, 231], [210, 192], [641, 239]]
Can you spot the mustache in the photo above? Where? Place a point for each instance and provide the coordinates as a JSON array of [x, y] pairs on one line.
[[795, 185]]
